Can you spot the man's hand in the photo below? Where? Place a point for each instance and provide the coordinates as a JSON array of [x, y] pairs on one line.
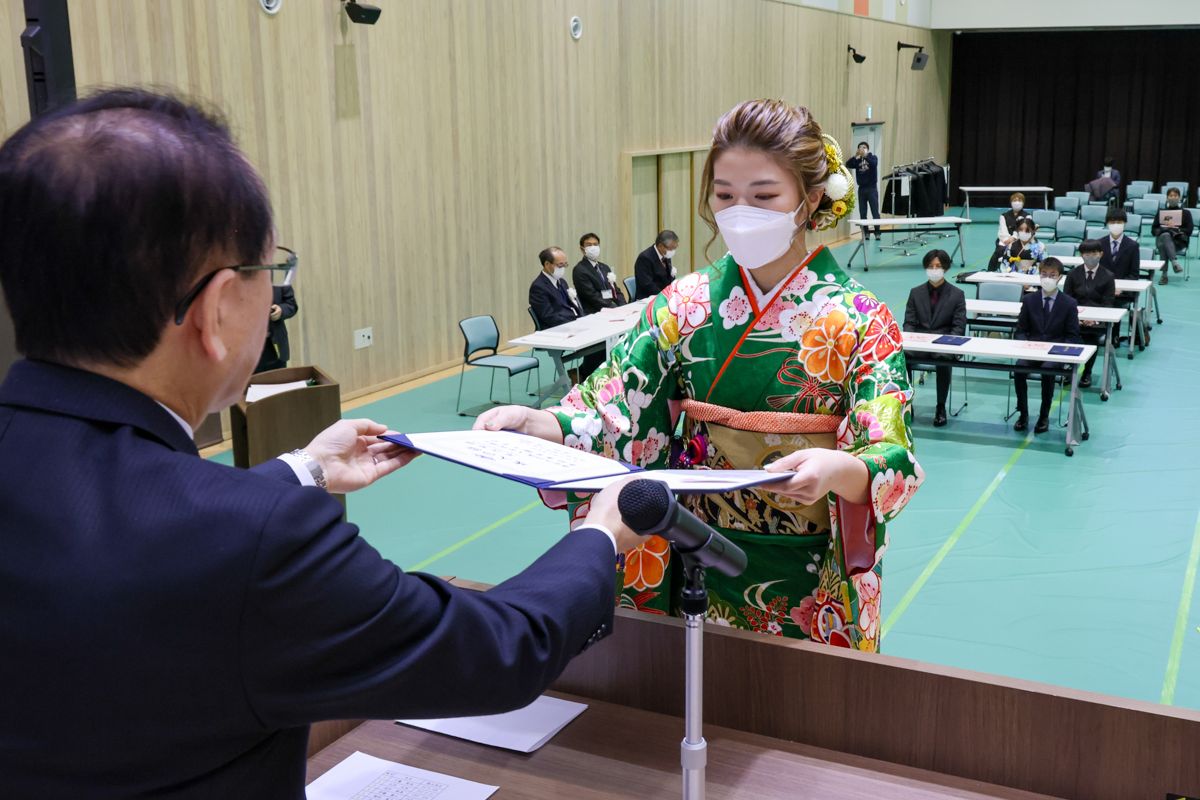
[[352, 457], [604, 511], [276, 313], [819, 472]]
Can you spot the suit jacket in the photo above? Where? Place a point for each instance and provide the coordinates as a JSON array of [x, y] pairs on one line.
[[948, 317], [1102, 290], [1062, 326], [651, 276], [589, 285], [548, 303], [189, 620], [1126, 266], [276, 346]]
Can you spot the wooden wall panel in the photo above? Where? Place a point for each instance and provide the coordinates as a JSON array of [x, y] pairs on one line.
[[644, 209], [675, 203], [418, 165], [14, 97]]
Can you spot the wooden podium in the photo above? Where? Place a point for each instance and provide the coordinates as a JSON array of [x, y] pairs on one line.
[[286, 421], [799, 711]]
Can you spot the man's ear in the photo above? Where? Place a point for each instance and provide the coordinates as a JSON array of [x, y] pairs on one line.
[[208, 317]]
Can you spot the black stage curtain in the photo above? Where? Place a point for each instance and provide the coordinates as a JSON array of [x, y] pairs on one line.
[[1045, 108]]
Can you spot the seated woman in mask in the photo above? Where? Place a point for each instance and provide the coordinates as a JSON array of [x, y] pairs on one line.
[[1024, 253]]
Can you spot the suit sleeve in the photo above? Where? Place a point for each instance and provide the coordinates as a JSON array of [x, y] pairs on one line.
[[287, 302], [1188, 223], [960, 314], [332, 630], [910, 312], [277, 470], [643, 273], [543, 308], [1022, 331], [1072, 326]]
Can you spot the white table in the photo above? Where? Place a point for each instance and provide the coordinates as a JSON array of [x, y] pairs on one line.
[[1139, 287], [606, 326], [1002, 350], [917, 225], [1149, 268], [1045, 191], [1101, 315]]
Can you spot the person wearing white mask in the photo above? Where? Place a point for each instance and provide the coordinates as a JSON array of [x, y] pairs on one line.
[[937, 307], [553, 303], [1122, 257], [1007, 226], [594, 280], [776, 358], [1172, 238], [1046, 316], [653, 270], [1091, 285]]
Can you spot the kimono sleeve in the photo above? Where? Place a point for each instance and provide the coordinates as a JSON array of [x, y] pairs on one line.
[[624, 409], [879, 415]]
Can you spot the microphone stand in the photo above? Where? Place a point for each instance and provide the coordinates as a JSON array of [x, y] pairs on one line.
[[693, 750]]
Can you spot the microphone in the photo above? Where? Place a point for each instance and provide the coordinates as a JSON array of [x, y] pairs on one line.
[[649, 508]]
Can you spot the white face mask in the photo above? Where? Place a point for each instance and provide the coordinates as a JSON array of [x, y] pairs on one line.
[[559, 273], [592, 251], [1049, 285], [1024, 236], [756, 236], [935, 274], [669, 254], [1017, 205], [1117, 228]]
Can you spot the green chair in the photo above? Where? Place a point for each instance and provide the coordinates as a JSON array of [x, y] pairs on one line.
[[481, 334], [1067, 229], [1060, 249]]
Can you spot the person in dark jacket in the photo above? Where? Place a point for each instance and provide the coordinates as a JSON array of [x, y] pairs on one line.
[[937, 307], [865, 166], [595, 282], [1170, 239], [653, 269], [1091, 285], [276, 350], [1046, 316]]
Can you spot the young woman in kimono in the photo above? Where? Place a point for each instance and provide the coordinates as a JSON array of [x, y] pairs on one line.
[[770, 356]]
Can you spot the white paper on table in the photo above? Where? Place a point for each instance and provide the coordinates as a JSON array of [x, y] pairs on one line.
[[523, 730], [684, 481], [515, 454], [261, 391], [364, 777]]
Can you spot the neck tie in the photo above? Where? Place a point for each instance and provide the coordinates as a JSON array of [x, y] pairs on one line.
[[1090, 275], [1115, 243], [562, 290], [1046, 305]]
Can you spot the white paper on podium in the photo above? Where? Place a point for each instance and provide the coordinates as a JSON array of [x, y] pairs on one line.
[[686, 481], [261, 391], [523, 730], [364, 777]]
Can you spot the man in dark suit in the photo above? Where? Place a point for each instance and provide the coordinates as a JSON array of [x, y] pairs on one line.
[[594, 280], [1091, 285], [937, 307], [653, 270], [187, 618], [1046, 316], [552, 304], [1121, 255], [276, 351]]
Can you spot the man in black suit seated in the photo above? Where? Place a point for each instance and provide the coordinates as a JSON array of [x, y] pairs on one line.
[[276, 350], [552, 303], [653, 270], [594, 280], [1091, 285], [190, 619], [1046, 316], [937, 307], [1170, 239], [1121, 255]]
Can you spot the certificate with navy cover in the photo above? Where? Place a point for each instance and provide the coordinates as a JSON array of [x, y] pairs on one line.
[[1063, 350], [954, 340], [547, 465]]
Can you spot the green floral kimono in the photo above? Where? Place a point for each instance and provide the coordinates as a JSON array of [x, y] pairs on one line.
[[821, 346]]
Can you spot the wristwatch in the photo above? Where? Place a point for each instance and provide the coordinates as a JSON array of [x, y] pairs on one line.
[[314, 468]]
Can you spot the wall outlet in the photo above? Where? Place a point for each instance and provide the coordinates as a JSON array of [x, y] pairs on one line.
[[363, 337]]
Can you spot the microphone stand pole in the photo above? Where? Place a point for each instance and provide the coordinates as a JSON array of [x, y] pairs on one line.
[[693, 750]]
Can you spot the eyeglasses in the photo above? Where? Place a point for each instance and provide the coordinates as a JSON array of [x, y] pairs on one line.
[[282, 274]]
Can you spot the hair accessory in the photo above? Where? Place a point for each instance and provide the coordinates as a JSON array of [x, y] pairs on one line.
[[839, 189]]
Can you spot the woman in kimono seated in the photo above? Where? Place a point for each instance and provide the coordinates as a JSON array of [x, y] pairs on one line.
[[770, 356]]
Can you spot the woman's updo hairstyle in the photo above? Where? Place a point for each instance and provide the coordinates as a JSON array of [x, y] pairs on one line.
[[793, 138]]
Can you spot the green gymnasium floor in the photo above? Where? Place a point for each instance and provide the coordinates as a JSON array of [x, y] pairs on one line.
[[1012, 559]]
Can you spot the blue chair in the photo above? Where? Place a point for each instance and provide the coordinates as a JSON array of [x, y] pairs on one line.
[[1146, 207], [1069, 229], [1133, 225], [1060, 249], [996, 324], [1160, 200], [1093, 213], [1083, 197], [481, 334], [1045, 221], [630, 287], [1145, 186], [1067, 205], [1095, 231], [1146, 253]]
